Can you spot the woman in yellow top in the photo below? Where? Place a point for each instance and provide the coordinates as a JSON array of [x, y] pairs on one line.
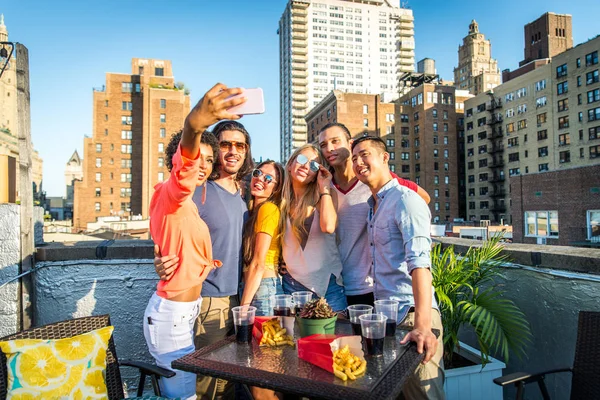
[[262, 238]]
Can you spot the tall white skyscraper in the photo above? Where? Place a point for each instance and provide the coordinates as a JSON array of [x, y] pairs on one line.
[[360, 46]]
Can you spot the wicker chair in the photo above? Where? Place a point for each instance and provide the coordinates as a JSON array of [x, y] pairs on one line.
[[73, 327], [585, 382]]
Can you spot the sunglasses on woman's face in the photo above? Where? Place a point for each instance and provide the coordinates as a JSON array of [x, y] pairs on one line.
[[302, 160], [266, 177]]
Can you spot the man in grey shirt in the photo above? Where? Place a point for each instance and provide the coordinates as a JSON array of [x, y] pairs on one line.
[[400, 243]]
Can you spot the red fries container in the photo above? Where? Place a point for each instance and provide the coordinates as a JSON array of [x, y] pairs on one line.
[[318, 349], [284, 322]]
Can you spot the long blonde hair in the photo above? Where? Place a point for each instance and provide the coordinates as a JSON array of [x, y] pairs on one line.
[[296, 209]]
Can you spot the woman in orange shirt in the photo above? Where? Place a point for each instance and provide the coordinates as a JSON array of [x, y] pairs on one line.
[[178, 229]]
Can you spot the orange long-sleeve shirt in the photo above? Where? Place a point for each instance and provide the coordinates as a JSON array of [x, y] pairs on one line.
[[178, 229]]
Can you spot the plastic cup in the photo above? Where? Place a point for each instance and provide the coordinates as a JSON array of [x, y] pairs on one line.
[[300, 299], [355, 311], [373, 333], [282, 305], [389, 308], [243, 321]]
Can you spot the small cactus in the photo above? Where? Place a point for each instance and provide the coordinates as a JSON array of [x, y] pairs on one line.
[[317, 309]]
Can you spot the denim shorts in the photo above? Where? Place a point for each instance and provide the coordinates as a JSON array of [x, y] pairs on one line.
[[335, 296], [263, 298]]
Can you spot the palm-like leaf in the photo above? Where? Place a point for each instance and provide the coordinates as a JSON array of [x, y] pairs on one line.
[[468, 294]]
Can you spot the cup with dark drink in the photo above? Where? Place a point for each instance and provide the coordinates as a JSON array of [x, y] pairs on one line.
[[300, 299], [355, 311], [282, 305], [243, 320], [373, 333], [389, 308]]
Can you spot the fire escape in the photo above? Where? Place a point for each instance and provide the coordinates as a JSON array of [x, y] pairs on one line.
[[498, 193]]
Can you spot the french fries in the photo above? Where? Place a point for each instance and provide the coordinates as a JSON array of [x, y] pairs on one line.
[[346, 365], [274, 335]]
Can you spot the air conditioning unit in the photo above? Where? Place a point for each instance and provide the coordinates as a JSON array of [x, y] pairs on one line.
[[541, 240]]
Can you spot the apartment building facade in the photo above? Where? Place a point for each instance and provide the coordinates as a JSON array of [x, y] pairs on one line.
[[360, 113], [426, 144], [477, 71], [355, 46], [134, 116], [547, 119]]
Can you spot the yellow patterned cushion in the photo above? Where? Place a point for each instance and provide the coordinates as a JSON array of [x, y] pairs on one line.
[[71, 368]]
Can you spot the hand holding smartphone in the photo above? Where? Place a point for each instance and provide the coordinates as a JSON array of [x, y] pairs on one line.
[[254, 104]]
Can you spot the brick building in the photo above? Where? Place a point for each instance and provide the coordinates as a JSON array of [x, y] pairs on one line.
[[134, 116], [547, 36], [545, 119], [426, 145], [361, 113], [558, 207]]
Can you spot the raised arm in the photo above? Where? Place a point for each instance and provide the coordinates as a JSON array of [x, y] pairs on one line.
[[327, 201], [211, 109]]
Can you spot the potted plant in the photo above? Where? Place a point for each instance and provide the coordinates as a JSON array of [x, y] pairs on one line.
[[316, 317], [468, 294]]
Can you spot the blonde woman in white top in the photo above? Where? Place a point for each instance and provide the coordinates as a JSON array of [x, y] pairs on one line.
[[309, 242]]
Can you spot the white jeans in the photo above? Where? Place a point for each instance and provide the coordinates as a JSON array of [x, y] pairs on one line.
[[169, 333]]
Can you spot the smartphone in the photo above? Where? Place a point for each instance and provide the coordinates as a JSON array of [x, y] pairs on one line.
[[255, 103]]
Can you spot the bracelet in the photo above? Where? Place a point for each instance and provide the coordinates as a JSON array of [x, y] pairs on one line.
[[324, 194]]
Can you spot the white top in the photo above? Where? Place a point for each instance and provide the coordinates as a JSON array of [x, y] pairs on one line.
[[357, 262], [313, 265]]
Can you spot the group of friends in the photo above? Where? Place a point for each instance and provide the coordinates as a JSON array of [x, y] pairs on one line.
[[333, 220]]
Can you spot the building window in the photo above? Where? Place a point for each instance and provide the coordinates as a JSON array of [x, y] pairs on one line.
[[510, 128], [564, 156], [578, 81], [445, 114], [126, 149], [99, 148], [392, 168], [392, 155], [513, 142], [591, 59], [513, 157], [446, 179], [126, 106], [445, 127], [98, 177], [161, 162], [161, 176], [125, 163], [98, 192], [594, 133], [161, 147], [562, 87], [484, 205], [540, 85], [514, 171], [595, 151], [541, 135], [163, 103], [561, 70], [434, 113], [543, 167], [563, 105], [445, 153], [435, 126], [126, 120], [163, 132], [541, 223], [125, 192], [470, 165], [471, 205], [593, 96], [126, 135], [125, 177], [594, 114], [564, 140], [365, 109], [365, 122], [163, 118], [563, 122], [471, 179], [593, 225], [126, 87], [98, 162], [159, 71], [543, 151], [592, 77], [97, 206], [390, 142], [522, 124]]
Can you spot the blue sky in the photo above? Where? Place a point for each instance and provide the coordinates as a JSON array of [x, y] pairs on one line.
[[72, 44]]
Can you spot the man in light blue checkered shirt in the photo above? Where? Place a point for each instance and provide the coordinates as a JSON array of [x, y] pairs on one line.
[[400, 243]]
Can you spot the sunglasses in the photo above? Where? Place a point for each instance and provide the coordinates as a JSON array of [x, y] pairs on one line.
[[227, 145], [302, 160], [266, 177]]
